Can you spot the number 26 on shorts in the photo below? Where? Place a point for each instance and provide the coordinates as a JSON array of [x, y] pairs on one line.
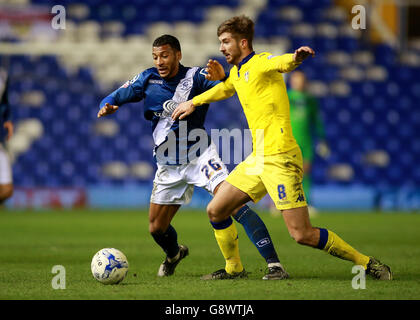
[[213, 165]]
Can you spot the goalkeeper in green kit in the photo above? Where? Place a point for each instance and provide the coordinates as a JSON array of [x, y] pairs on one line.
[[307, 127]]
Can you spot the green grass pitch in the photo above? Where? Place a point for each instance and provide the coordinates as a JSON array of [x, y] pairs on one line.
[[32, 242]]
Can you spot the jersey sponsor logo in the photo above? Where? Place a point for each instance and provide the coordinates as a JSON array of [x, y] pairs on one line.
[[282, 203], [156, 81], [217, 175], [246, 76]]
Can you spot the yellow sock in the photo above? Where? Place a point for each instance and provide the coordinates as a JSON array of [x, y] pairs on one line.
[[337, 247], [227, 239]]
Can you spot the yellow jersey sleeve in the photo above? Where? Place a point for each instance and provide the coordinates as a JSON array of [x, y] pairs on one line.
[[221, 91], [284, 63]]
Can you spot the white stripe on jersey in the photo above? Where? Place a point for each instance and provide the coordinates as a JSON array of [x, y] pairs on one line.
[[181, 94], [184, 86], [162, 129]]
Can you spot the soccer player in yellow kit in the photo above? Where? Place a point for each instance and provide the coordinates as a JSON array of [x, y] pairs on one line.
[[275, 166]]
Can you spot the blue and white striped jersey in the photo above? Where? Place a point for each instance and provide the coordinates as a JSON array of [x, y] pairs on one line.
[[154, 91]]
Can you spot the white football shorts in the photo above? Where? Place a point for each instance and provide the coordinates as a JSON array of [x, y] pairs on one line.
[[5, 168], [174, 184]]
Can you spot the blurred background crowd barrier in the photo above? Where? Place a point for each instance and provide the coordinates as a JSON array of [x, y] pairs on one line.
[[366, 81]]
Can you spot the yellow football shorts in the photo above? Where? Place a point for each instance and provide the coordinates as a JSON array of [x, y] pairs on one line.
[[280, 175]]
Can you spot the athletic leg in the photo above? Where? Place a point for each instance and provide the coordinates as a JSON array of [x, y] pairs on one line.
[[219, 211], [160, 217], [301, 230], [6, 191], [257, 232], [169, 192], [209, 172], [6, 179], [226, 202], [284, 184]]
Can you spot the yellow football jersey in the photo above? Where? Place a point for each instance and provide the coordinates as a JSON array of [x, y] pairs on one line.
[[262, 92]]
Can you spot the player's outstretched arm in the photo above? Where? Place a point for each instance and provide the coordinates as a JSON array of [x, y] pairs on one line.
[[286, 62], [220, 91], [214, 71], [302, 53], [107, 109]]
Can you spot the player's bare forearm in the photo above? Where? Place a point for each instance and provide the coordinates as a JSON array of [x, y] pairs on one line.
[[183, 110], [303, 53], [214, 71], [8, 125], [107, 109]]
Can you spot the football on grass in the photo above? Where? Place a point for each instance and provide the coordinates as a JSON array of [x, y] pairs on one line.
[[109, 266]]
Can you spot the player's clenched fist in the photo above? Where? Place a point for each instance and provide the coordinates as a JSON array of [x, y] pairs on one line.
[[302, 53], [107, 109]]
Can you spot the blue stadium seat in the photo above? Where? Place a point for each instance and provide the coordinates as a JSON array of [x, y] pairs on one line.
[[301, 41], [369, 143], [323, 44], [348, 44], [402, 74], [385, 55]]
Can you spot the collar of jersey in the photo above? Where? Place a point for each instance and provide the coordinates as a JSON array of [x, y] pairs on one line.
[[245, 60]]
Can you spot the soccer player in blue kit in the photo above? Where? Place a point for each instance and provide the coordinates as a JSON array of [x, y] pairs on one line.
[[178, 172]]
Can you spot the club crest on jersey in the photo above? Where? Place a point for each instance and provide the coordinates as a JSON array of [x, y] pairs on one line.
[[186, 84], [246, 76]]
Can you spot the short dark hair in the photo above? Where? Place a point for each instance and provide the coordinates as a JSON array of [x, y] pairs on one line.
[[167, 39], [241, 27]]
